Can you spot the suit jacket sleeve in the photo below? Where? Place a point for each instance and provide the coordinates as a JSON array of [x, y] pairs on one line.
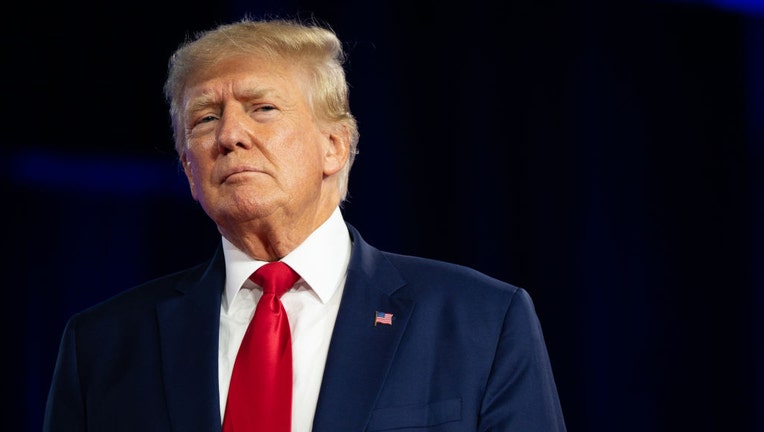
[[65, 411], [521, 394]]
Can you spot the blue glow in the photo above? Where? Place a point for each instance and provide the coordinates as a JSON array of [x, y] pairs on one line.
[[745, 6], [754, 7], [104, 174]]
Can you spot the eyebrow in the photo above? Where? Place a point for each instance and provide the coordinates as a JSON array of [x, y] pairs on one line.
[[208, 99], [200, 102]]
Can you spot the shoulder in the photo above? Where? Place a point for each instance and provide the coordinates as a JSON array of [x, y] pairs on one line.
[[456, 296], [423, 275], [419, 269], [144, 297], [439, 284]]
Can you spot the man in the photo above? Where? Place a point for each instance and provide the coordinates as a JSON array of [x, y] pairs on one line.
[[379, 341]]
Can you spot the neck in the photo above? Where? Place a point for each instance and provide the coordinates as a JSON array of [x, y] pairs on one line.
[[273, 238]]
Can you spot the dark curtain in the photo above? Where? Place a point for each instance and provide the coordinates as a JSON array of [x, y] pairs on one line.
[[606, 156]]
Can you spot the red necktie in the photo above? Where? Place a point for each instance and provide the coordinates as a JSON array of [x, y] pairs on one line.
[[260, 395]]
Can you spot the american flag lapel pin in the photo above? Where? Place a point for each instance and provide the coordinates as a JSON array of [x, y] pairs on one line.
[[383, 318]]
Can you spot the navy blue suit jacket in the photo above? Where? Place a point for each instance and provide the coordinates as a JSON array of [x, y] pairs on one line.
[[464, 352]]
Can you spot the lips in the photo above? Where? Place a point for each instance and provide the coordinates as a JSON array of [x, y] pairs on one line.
[[232, 173]]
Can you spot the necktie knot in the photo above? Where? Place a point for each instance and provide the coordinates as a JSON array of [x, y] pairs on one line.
[[275, 277]]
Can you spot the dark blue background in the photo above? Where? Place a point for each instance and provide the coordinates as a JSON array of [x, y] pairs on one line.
[[606, 156]]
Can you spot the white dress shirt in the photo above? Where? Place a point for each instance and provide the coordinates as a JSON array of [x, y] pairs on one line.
[[311, 305]]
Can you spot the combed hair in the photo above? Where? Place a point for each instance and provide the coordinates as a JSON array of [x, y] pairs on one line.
[[315, 47]]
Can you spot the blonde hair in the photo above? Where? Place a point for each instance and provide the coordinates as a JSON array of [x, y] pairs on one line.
[[315, 47]]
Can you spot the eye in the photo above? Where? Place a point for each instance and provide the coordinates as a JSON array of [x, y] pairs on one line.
[[264, 112], [265, 108], [200, 125], [206, 119]]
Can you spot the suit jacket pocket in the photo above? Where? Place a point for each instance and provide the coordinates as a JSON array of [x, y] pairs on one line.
[[412, 416]]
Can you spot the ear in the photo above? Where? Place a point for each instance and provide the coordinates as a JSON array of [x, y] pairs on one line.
[[337, 149], [189, 173]]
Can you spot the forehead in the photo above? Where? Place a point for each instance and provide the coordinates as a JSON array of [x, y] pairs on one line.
[[241, 75]]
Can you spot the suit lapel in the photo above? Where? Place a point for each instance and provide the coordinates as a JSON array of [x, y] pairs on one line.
[[360, 353], [188, 329]]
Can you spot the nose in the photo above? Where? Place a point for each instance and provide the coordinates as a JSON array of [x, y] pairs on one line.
[[234, 130]]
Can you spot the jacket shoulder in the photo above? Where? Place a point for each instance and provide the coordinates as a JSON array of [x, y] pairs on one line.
[[146, 294]]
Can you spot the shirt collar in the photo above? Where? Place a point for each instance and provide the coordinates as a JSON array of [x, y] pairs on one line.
[[321, 260]]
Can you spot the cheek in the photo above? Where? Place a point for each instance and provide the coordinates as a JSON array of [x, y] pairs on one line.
[[200, 154], [311, 158], [197, 171], [301, 170], [190, 176], [297, 150]]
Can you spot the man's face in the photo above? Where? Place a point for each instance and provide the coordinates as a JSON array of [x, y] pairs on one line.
[[254, 148]]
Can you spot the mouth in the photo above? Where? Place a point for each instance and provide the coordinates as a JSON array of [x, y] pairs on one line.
[[238, 173]]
